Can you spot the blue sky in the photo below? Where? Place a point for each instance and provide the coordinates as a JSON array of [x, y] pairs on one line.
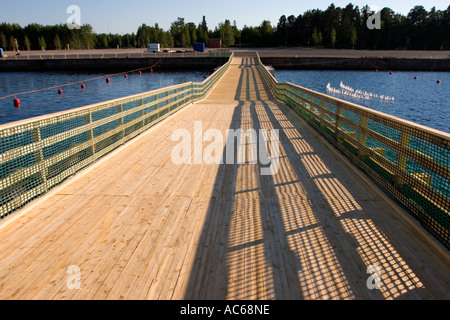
[[125, 16]]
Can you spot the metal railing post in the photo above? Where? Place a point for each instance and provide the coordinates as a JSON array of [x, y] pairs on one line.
[[90, 133], [39, 155], [402, 158]]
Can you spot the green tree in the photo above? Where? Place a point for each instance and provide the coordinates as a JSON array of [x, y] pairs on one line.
[[12, 42], [87, 37], [185, 37], [236, 33], [291, 28], [202, 31], [27, 43], [89, 40], [351, 22], [176, 29], [315, 37], [226, 33], [281, 31], [420, 30], [266, 31], [417, 19], [167, 39], [204, 24], [105, 41], [353, 37], [434, 29], [333, 37], [330, 19], [57, 43], [202, 34], [192, 28], [250, 36], [445, 31], [42, 43], [143, 35], [3, 41]]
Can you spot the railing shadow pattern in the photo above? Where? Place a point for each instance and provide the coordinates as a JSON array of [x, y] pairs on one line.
[[409, 161], [303, 233]]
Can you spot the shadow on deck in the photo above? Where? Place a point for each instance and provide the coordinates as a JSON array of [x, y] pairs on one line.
[[308, 232]]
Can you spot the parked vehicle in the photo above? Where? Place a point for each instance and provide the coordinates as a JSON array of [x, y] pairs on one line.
[[154, 47]]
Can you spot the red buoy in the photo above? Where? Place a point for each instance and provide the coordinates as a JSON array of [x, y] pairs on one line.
[[415, 78], [16, 103], [140, 72], [439, 81], [126, 76], [60, 91], [83, 86], [108, 80], [151, 70], [390, 72], [376, 70]]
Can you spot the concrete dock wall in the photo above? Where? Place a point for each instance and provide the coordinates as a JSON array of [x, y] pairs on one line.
[[362, 63], [119, 64], [196, 63]]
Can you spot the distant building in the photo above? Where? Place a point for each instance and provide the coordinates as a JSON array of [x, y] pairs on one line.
[[215, 43]]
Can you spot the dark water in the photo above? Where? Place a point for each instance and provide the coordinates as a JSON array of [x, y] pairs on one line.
[[49, 101], [420, 100]]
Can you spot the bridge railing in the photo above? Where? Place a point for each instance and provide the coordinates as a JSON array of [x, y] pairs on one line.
[[409, 161], [40, 153], [111, 55]]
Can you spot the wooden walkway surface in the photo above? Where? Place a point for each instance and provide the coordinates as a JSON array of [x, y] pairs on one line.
[[138, 226]]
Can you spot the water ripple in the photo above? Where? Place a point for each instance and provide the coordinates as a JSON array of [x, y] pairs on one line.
[[49, 101], [420, 100]]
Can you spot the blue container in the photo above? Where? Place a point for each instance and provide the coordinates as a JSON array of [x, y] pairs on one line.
[[199, 47]]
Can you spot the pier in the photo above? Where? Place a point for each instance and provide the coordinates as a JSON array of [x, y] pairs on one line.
[[94, 207]]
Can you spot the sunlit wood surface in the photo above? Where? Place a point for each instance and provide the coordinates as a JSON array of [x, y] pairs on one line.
[[138, 226]]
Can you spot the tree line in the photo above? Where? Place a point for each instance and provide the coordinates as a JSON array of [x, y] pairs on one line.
[[334, 27]]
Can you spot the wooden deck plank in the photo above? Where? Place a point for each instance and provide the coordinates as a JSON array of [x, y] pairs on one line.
[[138, 264], [142, 227], [163, 252], [198, 268], [104, 255], [50, 246], [94, 232]]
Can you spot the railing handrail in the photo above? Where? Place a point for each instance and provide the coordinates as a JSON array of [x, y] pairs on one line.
[[94, 55], [91, 107], [439, 133], [432, 131], [408, 160], [39, 153], [110, 102]]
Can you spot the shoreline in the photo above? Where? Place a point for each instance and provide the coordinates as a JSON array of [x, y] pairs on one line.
[[186, 59]]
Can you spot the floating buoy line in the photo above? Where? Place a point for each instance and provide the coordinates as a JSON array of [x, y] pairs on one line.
[[16, 101], [357, 94]]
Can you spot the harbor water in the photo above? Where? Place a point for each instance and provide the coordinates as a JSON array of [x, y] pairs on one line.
[[417, 96]]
